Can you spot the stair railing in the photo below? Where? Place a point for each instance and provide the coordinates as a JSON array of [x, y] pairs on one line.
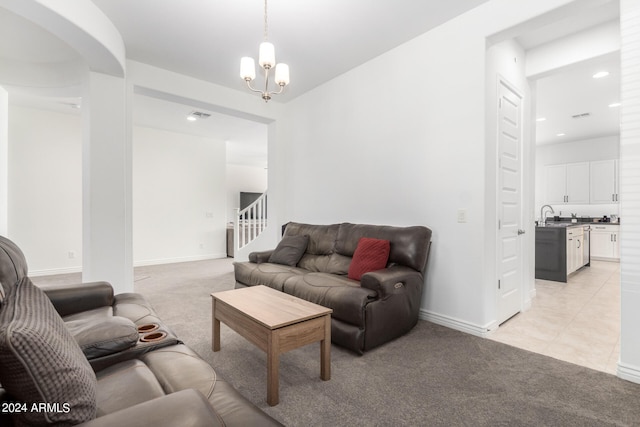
[[250, 222]]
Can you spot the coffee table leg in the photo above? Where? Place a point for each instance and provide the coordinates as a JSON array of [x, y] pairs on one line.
[[216, 330], [325, 351], [273, 367]]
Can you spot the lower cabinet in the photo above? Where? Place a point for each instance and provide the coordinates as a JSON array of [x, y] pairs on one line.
[[575, 249], [605, 243], [560, 251]]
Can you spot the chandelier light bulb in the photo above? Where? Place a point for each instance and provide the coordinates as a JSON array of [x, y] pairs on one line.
[[247, 68], [267, 58], [282, 74]]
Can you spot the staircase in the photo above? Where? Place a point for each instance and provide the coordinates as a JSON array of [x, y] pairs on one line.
[[250, 222]]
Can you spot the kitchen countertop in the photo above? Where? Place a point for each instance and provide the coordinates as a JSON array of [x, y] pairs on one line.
[[567, 224]]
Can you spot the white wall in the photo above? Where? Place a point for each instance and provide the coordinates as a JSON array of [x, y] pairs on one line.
[[4, 161], [179, 197], [45, 188], [400, 140], [604, 148], [178, 180], [243, 178], [629, 364]]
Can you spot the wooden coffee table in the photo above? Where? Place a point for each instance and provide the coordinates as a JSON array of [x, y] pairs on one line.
[[276, 323]]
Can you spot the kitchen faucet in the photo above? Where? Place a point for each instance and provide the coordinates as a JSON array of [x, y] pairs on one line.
[[542, 214]]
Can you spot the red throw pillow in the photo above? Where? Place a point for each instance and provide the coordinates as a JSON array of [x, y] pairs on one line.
[[370, 255]]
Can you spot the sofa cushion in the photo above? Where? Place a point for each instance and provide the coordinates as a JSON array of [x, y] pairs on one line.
[[409, 245], [126, 384], [40, 362], [343, 295], [267, 274], [179, 368], [289, 250], [370, 255], [320, 253]]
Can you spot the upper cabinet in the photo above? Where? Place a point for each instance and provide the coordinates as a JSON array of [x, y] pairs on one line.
[[568, 183], [604, 181]]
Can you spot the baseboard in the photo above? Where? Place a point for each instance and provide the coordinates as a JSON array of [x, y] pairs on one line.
[[146, 262], [629, 373], [54, 271], [457, 324], [596, 258]]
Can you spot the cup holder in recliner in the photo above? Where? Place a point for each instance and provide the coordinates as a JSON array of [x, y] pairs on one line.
[[149, 327], [153, 336]]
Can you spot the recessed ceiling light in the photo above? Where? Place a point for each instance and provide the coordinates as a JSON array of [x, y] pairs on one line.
[[600, 74], [195, 115], [614, 105], [541, 119]]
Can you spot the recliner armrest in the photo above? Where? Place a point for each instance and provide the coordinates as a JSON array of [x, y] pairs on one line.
[[186, 408], [103, 336], [260, 257], [75, 298], [392, 280]]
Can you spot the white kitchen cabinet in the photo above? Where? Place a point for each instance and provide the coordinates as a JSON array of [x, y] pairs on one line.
[[604, 181], [605, 243], [556, 184], [568, 183], [575, 249]]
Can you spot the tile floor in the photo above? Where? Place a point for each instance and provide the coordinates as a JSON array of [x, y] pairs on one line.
[[577, 321]]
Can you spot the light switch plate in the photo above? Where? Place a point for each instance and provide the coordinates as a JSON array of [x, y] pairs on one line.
[[462, 215]]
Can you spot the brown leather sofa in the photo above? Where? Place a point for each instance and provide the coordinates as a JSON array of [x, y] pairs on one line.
[[381, 306], [85, 369]]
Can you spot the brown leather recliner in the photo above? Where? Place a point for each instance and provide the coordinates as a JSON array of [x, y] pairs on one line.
[[49, 381], [381, 306]]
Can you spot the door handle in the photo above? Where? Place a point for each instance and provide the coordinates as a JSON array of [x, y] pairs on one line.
[[520, 231]]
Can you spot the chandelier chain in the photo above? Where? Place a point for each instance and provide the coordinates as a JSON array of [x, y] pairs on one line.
[[266, 22]]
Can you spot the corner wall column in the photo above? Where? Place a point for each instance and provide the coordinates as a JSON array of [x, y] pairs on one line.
[[106, 182], [4, 162], [629, 364]]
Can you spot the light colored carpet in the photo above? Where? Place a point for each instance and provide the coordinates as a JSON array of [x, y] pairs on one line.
[[433, 376]]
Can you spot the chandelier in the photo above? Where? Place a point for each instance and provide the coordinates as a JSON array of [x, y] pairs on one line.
[[267, 60]]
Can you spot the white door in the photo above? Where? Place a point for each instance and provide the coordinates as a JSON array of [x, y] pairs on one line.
[[509, 202]]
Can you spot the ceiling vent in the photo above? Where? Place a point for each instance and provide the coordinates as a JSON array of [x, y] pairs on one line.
[[200, 115], [581, 116]]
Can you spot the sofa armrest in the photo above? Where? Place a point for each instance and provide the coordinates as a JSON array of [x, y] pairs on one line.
[[260, 257], [392, 280], [75, 298], [103, 336], [186, 408]]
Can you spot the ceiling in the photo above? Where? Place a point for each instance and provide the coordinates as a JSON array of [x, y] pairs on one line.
[[575, 105], [205, 39], [318, 40]]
